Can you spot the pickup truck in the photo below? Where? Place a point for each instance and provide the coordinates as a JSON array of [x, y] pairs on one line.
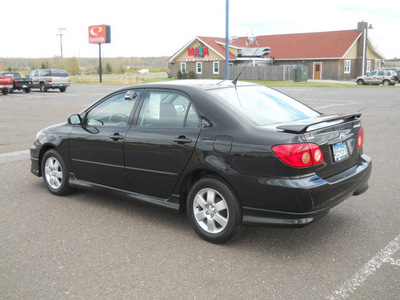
[[19, 83], [6, 84], [46, 79]]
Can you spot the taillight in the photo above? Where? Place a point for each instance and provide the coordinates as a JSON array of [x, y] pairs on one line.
[[360, 139], [50, 80], [16, 81], [299, 155]]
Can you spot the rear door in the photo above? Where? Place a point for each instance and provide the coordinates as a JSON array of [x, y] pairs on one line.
[[158, 148]]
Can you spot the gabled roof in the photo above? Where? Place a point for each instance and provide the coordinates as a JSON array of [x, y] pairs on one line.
[[315, 45], [332, 44]]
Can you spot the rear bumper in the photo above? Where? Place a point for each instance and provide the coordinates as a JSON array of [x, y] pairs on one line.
[[299, 201]]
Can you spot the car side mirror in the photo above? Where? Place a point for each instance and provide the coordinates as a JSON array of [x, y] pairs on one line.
[[75, 119], [130, 95]]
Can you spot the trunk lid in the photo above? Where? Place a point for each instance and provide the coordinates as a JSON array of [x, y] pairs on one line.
[[336, 135]]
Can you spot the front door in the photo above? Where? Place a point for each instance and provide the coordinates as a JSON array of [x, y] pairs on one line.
[[158, 148], [317, 70], [96, 147]]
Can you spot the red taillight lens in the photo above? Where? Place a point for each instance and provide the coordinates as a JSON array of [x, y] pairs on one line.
[[16, 81], [299, 155], [360, 139], [50, 80]]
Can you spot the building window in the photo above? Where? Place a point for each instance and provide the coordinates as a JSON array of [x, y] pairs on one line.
[[199, 68], [183, 67], [347, 66], [368, 66], [216, 67]]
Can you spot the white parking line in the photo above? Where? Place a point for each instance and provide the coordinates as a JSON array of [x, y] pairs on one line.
[[337, 104], [384, 256], [14, 156]]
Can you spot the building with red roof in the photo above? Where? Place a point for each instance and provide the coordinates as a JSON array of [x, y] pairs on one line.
[[337, 55]]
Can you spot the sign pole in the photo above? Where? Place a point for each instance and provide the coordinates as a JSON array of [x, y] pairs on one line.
[[227, 42], [100, 68]]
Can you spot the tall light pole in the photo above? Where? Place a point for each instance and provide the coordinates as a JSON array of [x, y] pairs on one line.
[[61, 46], [227, 42]]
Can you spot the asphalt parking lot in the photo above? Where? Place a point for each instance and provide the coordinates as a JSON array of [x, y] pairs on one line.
[[89, 245]]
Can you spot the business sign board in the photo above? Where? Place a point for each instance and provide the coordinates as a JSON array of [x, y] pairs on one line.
[[99, 34]]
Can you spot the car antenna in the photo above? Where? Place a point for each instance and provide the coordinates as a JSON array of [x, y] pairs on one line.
[[265, 50]]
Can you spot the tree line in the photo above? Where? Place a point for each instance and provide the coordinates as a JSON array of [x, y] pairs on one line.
[[85, 65]]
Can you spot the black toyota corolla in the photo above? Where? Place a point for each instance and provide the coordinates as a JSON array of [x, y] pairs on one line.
[[230, 154]]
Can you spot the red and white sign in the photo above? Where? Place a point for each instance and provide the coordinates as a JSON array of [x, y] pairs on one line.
[[99, 34]]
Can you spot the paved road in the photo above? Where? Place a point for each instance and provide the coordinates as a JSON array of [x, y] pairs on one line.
[[89, 245]]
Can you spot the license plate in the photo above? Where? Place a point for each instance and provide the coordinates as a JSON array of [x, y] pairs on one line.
[[340, 151], [24, 86]]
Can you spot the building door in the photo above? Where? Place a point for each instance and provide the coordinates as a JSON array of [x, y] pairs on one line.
[[317, 70]]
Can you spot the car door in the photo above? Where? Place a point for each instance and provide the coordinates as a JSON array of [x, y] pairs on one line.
[[158, 148], [379, 77], [96, 147]]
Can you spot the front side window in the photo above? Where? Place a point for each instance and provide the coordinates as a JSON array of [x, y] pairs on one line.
[[114, 111], [199, 68], [167, 110], [347, 66], [265, 106]]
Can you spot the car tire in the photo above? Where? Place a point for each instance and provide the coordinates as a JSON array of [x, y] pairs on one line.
[[360, 82], [43, 87], [28, 90], [4, 92], [63, 89], [55, 173], [386, 82], [214, 210]]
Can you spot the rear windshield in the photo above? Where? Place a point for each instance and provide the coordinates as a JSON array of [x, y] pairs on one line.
[[265, 106]]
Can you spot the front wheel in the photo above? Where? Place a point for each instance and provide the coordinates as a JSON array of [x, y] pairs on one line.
[[214, 210], [55, 173], [360, 82]]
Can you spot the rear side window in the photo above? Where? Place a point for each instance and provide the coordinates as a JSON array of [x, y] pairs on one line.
[[167, 110], [265, 106], [59, 73], [45, 72]]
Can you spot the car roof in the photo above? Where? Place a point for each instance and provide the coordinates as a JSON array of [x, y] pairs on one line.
[[197, 84]]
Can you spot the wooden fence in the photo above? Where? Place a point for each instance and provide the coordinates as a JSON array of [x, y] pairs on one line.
[[263, 72]]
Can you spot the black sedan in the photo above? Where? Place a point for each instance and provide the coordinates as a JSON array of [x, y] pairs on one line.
[[230, 154]]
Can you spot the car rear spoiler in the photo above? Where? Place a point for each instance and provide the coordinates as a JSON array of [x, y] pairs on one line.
[[303, 125]]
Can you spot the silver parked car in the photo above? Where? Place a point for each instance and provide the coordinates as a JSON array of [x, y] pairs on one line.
[[376, 77], [45, 79]]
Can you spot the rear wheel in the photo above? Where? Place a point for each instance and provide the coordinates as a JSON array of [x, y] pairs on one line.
[[214, 211], [63, 89], [55, 173], [43, 87], [386, 82], [28, 90], [4, 92]]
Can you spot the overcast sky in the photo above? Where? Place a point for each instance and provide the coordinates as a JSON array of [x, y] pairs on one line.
[[161, 27]]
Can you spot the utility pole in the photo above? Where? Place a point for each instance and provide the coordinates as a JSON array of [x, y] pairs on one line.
[[61, 46]]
